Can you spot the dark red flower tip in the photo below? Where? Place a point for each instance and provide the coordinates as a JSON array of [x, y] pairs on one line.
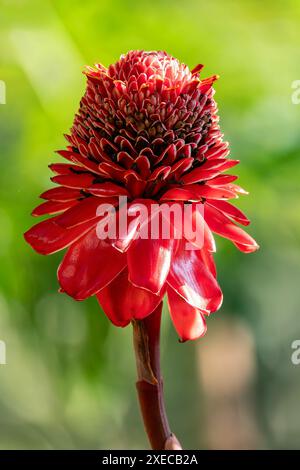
[[148, 129]]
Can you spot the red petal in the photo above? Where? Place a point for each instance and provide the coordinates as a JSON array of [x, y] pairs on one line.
[[64, 168], [188, 321], [237, 189], [52, 207], [160, 173], [212, 192], [199, 175], [107, 189], [123, 302], [191, 225], [88, 266], [134, 184], [180, 167], [125, 239], [197, 69], [67, 154], [222, 179], [77, 181], [168, 155], [246, 248], [47, 237], [208, 164], [61, 194], [221, 164], [86, 163], [190, 277], [218, 150], [208, 260], [230, 210], [125, 159], [83, 211], [222, 225], [194, 192], [178, 194], [114, 171], [204, 237], [149, 263], [135, 222], [143, 166]]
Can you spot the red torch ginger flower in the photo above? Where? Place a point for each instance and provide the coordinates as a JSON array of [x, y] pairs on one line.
[[147, 128]]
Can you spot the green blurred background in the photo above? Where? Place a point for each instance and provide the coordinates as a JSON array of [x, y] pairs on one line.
[[69, 377]]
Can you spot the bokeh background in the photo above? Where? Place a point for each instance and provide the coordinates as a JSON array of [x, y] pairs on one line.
[[69, 377]]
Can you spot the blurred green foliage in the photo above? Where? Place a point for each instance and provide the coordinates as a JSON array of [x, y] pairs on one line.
[[69, 378]]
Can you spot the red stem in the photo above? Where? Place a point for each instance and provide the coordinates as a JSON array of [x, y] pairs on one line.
[[146, 334]]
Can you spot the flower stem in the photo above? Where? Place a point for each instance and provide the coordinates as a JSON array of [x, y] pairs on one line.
[[146, 334]]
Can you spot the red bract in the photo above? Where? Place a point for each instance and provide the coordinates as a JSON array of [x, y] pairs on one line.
[[147, 128]]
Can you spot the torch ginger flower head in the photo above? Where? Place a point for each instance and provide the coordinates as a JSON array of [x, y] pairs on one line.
[[147, 128]]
